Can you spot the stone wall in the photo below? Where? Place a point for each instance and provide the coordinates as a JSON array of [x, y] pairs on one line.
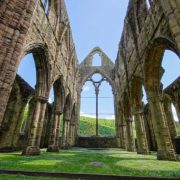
[[97, 142], [147, 33], [26, 27]]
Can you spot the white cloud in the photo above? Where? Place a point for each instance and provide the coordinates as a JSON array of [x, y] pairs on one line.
[[87, 115], [174, 113], [86, 88], [50, 100], [110, 117], [93, 116]]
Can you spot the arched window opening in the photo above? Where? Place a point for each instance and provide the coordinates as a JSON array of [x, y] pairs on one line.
[[144, 96], [176, 118], [106, 110], [87, 110], [27, 70], [171, 66], [96, 61], [148, 3], [51, 96], [97, 110], [45, 5]]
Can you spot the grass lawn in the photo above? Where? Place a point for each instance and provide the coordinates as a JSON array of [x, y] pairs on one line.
[[22, 177], [88, 126], [77, 160], [106, 126]]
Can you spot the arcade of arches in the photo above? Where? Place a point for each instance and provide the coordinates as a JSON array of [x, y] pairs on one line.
[[43, 29]]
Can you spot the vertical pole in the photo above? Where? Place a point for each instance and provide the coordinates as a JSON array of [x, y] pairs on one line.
[[97, 92]]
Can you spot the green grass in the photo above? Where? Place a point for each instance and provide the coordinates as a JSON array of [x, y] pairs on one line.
[[88, 126], [106, 126], [22, 177], [113, 161]]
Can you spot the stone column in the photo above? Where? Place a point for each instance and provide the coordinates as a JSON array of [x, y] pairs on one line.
[[117, 129], [142, 144], [65, 137], [149, 127], [129, 135], [165, 147], [68, 134], [53, 145], [170, 119], [123, 135], [72, 134], [34, 136]]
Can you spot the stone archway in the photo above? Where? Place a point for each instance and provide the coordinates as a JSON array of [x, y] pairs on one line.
[[40, 98], [152, 79], [137, 111]]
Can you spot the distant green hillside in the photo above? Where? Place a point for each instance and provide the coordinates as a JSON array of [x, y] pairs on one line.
[[88, 126]]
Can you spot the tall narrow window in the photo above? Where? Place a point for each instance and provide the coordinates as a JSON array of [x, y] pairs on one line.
[[96, 61], [97, 108], [27, 71], [171, 65], [148, 4]]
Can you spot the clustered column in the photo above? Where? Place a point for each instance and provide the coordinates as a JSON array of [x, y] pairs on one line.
[[55, 132], [34, 137], [66, 134], [169, 116], [123, 135], [142, 144], [72, 134], [129, 134], [159, 121]]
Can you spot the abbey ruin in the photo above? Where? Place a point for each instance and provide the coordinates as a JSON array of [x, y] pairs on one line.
[[26, 27]]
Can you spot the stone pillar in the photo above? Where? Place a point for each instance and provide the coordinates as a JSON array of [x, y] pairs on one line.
[[72, 134], [170, 119], [149, 128], [12, 35], [53, 145], [165, 147], [142, 144], [122, 135], [68, 133], [130, 144], [34, 136], [117, 129], [65, 137]]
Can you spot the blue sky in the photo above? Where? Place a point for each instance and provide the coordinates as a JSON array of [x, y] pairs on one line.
[[98, 23]]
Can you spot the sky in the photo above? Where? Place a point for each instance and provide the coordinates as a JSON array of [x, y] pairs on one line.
[[98, 23]]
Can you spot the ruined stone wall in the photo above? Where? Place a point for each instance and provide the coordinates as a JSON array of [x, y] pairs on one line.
[[26, 27], [147, 34], [11, 137]]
